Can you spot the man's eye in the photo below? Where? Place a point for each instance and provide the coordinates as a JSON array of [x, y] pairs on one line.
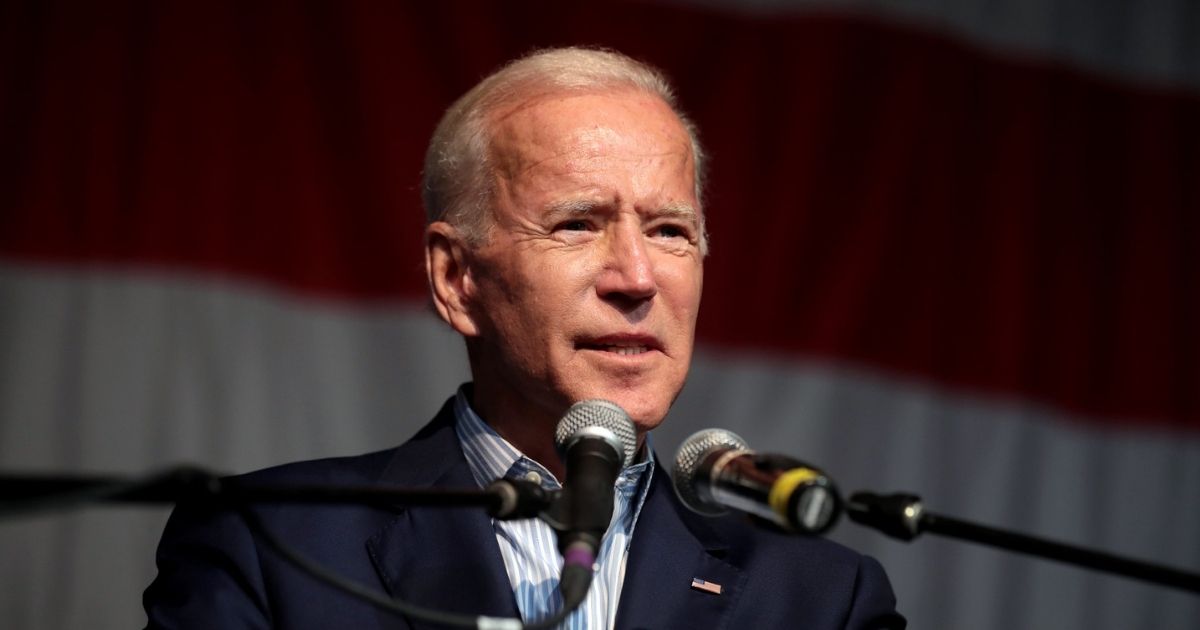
[[578, 225], [671, 231]]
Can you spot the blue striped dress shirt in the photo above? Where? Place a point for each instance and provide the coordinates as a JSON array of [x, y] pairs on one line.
[[529, 547]]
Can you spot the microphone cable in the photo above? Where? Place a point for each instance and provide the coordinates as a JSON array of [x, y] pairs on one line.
[[34, 494], [392, 604]]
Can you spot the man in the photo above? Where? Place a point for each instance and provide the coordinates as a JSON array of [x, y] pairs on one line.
[[565, 243]]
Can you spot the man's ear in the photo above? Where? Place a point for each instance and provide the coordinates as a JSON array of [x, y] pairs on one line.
[[449, 272]]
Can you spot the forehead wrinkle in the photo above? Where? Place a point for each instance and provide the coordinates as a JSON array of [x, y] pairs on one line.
[[517, 153], [520, 144], [591, 159], [510, 148]]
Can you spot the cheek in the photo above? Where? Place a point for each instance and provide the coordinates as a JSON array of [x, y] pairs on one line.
[[684, 283], [502, 301], [538, 297], [561, 284]]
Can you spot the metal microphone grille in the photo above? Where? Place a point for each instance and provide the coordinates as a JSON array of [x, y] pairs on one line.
[[598, 418], [687, 462]]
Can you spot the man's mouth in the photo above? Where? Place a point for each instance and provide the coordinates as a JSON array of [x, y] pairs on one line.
[[621, 347]]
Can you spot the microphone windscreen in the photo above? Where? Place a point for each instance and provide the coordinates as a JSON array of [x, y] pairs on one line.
[[691, 454], [601, 419]]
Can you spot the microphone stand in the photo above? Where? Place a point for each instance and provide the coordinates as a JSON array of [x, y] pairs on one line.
[[23, 493], [503, 499], [902, 516]]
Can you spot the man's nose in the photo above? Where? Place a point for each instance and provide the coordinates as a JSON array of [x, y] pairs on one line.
[[628, 271]]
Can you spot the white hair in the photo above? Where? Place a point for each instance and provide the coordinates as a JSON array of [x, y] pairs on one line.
[[455, 186]]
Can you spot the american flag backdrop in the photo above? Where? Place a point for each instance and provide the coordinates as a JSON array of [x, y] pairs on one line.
[[954, 252]]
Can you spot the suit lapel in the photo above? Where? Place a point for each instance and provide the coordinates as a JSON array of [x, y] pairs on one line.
[[667, 554], [447, 559], [443, 559]]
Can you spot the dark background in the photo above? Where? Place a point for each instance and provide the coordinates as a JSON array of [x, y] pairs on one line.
[[953, 252]]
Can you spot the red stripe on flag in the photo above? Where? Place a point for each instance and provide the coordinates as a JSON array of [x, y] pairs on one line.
[[880, 195]]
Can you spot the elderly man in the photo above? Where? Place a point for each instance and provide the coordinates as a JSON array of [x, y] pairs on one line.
[[565, 243]]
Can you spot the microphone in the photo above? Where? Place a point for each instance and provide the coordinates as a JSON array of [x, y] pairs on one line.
[[596, 439], [715, 469]]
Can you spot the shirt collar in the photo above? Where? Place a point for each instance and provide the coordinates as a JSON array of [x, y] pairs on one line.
[[490, 456]]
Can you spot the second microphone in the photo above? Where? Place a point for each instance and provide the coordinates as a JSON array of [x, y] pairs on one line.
[[715, 469]]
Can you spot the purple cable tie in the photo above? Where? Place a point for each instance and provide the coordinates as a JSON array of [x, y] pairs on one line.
[[579, 556]]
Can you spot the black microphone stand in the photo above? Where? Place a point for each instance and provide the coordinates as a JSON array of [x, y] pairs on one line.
[[23, 493], [902, 516], [503, 499]]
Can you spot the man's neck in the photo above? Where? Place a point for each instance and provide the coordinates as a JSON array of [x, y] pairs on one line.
[[529, 431]]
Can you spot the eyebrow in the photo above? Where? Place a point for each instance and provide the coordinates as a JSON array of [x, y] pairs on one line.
[[678, 211], [571, 207]]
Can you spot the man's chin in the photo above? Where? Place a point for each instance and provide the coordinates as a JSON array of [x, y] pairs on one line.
[[645, 414], [642, 398]]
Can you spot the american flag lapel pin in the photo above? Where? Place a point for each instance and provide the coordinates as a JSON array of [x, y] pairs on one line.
[[707, 587]]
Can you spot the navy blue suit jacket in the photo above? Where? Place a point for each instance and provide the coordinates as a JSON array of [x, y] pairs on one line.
[[214, 574]]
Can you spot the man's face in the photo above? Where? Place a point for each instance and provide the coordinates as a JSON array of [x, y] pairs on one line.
[[588, 283]]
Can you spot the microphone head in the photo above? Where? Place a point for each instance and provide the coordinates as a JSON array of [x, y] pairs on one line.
[[601, 419], [686, 473]]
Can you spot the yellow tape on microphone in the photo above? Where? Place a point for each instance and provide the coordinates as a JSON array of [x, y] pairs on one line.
[[783, 487]]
